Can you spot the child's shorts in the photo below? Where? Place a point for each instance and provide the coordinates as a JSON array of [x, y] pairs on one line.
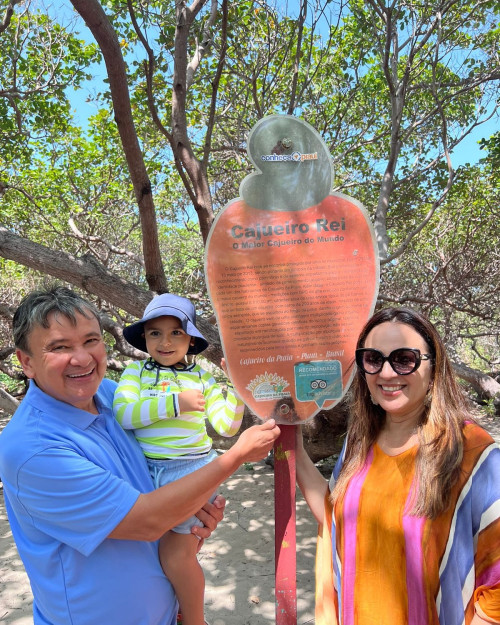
[[167, 471]]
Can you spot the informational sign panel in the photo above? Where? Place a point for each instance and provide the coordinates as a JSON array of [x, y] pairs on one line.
[[292, 271]]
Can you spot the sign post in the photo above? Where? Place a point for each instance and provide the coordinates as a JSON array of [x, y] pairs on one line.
[[292, 271], [285, 551]]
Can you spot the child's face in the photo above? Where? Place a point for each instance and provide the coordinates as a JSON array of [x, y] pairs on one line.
[[166, 341]]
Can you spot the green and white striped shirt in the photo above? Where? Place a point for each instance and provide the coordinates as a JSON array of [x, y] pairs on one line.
[[146, 401]]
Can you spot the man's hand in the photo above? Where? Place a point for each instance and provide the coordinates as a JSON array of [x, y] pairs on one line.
[[210, 515], [256, 442], [191, 401]]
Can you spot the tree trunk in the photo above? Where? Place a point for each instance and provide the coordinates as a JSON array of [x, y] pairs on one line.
[[484, 385], [181, 144], [88, 274], [7, 403], [99, 25]]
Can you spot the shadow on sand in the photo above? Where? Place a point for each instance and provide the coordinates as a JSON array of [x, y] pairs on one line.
[[238, 559]]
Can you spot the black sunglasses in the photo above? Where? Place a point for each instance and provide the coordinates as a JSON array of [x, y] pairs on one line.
[[404, 360]]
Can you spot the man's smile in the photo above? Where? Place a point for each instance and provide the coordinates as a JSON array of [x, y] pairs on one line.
[[81, 375]]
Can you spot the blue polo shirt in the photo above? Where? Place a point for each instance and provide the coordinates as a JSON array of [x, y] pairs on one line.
[[69, 478]]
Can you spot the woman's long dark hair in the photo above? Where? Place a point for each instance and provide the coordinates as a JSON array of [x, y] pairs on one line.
[[440, 434]]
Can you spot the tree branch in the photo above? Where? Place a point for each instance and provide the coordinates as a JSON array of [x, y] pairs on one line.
[[101, 28], [7, 403], [89, 275], [7, 17], [300, 30], [203, 47], [215, 86], [483, 384], [181, 144]]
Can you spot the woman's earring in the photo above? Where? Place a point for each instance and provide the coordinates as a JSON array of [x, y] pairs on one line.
[[375, 403], [428, 397]]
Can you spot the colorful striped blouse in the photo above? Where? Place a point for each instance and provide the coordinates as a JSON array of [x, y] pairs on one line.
[[390, 567], [147, 402]]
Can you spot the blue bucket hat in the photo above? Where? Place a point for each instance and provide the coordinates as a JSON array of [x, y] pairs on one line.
[[173, 306]]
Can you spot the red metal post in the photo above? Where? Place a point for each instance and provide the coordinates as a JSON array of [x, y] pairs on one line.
[[285, 536]]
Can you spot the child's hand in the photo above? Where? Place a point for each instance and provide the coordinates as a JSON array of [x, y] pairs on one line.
[[191, 401]]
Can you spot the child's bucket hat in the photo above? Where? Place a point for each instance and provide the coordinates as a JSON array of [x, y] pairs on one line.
[[173, 306]]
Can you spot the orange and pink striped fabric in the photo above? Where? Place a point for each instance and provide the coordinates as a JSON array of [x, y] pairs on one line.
[[392, 567]]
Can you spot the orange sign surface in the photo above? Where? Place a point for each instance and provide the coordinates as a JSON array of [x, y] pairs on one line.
[[291, 290]]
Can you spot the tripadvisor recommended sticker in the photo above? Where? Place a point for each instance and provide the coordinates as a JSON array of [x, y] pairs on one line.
[[318, 381]]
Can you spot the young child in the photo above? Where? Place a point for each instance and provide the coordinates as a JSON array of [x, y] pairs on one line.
[[165, 401]]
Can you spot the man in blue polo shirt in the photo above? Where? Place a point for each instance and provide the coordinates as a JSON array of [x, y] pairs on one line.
[[79, 497]]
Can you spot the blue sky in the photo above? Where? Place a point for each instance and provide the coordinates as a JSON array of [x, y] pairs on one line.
[[468, 150]]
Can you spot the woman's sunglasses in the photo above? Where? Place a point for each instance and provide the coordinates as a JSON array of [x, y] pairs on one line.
[[404, 360]]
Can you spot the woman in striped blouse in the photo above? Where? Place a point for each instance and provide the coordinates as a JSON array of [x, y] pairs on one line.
[[410, 521]]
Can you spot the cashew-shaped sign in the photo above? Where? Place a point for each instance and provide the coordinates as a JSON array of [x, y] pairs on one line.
[[292, 271]]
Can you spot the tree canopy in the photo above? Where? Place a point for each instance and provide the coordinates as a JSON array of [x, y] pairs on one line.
[[119, 205]]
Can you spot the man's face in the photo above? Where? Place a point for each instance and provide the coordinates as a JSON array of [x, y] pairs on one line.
[[68, 362]]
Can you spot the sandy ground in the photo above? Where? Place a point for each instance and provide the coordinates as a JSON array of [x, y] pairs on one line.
[[238, 560]]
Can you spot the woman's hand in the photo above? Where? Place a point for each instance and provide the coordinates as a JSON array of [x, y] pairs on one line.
[[223, 366]]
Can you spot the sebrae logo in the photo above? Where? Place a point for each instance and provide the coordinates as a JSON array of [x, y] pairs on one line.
[[268, 386], [294, 157]]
